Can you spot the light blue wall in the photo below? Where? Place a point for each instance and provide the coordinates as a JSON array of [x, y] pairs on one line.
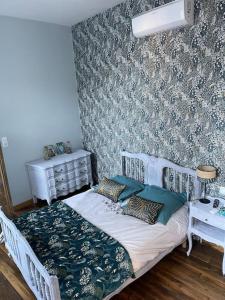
[[37, 92]]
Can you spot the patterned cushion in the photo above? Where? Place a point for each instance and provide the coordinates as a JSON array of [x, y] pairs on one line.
[[110, 189], [144, 210]]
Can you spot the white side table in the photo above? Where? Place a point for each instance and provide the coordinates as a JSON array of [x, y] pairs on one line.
[[206, 225]]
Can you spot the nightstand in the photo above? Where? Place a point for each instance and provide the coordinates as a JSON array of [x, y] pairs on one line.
[[206, 225]]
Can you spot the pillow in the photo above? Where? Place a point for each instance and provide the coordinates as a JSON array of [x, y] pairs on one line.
[[172, 201], [110, 189], [132, 186], [144, 210]]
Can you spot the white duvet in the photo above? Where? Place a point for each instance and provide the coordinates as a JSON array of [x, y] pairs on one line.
[[143, 242]]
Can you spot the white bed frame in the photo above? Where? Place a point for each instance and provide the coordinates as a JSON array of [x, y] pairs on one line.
[[142, 167]]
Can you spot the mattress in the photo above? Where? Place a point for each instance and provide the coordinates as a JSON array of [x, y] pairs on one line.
[[143, 242]]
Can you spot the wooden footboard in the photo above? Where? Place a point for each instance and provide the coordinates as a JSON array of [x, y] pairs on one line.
[[44, 286]]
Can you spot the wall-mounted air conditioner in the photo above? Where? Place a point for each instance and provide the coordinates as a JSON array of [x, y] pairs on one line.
[[174, 14]]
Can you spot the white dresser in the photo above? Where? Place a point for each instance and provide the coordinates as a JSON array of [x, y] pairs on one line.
[[59, 176]]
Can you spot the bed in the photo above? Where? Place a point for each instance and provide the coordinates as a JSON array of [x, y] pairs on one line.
[[145, 244]]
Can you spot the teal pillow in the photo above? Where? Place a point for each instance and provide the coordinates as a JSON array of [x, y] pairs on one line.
[[132, 186], [172, 201]]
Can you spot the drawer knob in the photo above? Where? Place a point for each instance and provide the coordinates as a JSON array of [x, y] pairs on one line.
[[58, 171]]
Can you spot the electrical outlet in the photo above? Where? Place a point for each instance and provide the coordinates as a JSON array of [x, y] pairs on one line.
[[4, 142], [222, 191]]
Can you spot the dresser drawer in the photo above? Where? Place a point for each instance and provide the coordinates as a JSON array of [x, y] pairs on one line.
[[60, 179], [81, 181], [209, 219], [80, 163], [71, 175], [56, 181], [80, 172], [64, 177], [62, 189], [59, 169], [72, 184], [70, 166]]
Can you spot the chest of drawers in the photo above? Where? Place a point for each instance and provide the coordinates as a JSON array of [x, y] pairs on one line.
[[59, 176]]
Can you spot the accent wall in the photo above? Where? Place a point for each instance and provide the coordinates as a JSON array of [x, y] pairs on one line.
[[162, 94]]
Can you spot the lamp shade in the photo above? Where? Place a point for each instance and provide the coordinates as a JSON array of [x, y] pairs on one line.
[[206, 172]]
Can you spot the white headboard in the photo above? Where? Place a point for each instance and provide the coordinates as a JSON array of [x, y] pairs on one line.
[[152, 170]]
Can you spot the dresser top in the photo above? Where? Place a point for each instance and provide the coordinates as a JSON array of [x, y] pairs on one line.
[[59, 159]]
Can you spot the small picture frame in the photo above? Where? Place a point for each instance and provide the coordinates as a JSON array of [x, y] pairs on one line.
[[49, 152], [68, 147], [60, 148]]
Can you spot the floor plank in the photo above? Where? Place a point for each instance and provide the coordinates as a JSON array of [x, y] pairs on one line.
[[179, 277], [11, 274], [6, 290]]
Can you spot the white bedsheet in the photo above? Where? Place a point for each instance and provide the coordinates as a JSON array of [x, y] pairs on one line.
[[143, 242]]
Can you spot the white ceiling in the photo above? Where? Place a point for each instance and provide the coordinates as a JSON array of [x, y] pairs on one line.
[[62, 12]]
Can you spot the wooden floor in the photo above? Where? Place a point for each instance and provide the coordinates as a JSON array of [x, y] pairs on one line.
[[176, 277]]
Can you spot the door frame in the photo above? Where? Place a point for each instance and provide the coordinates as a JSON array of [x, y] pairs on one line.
[[3, 175]]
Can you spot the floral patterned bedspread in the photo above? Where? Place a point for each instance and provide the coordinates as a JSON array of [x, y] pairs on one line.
[[88, 263]]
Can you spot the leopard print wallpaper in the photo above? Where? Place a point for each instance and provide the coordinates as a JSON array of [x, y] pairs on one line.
[[162, 94]]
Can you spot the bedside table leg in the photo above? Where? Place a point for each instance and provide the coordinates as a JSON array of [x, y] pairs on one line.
[[189, 243]]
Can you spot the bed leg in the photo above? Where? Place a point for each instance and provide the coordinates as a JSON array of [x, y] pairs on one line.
[[184, 244]]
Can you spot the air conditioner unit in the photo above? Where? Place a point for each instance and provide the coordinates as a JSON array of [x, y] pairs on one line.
[[174, 14]]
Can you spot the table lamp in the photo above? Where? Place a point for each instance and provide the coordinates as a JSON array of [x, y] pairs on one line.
[[205, 175]]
